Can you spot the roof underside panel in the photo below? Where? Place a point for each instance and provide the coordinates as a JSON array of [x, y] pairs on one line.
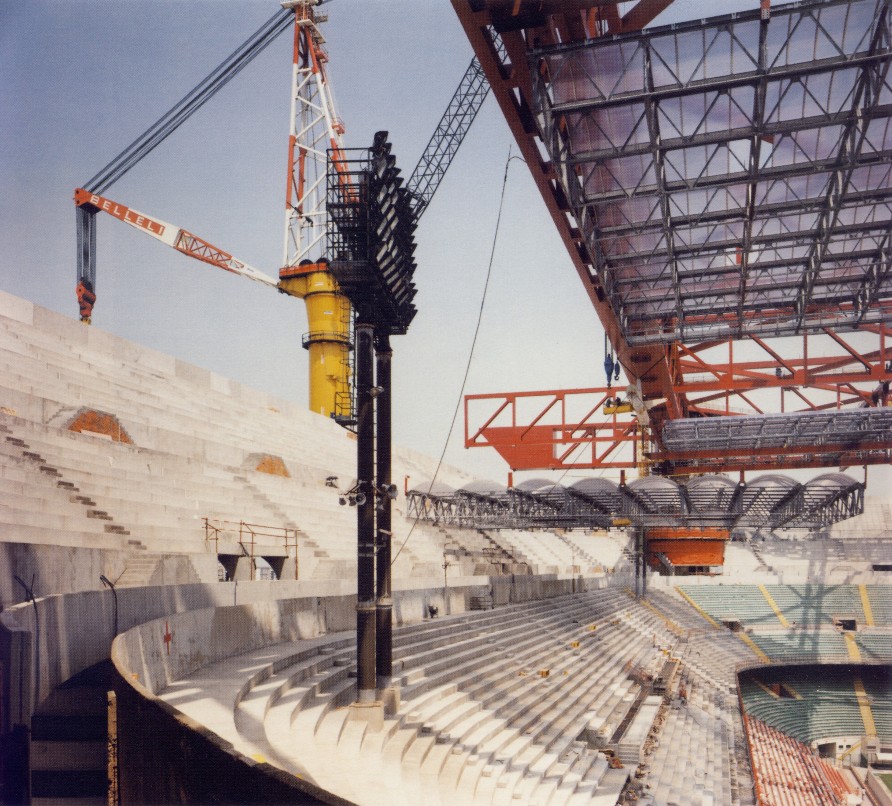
[[854, 429], [730, 176]]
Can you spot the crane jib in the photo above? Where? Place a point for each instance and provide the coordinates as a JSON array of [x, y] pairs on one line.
[[122, 212]]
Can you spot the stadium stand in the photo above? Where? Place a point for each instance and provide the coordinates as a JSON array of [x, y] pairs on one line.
[[121, 462], [533, 702], [179, 445], [808, 708], [811, 605], [786, 772]]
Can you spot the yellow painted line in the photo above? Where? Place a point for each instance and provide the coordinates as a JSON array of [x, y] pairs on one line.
[[765, 688], [699, 609], [773, 605], [752, 645], [850, 753], [865, 603], [672, 625], [852, 646], [795, 694], [870, 727]]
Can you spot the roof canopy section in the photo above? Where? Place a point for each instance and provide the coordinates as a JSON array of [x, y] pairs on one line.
[[842, 436], [705, 502], [729, 176]]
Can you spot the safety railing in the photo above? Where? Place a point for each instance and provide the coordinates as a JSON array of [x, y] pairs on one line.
[[249, 536]]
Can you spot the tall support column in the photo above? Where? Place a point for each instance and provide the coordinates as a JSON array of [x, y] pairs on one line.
[[365, 514], [384, 601], [643, 562]]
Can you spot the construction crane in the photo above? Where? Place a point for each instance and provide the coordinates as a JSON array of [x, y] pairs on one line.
[[315, 142]]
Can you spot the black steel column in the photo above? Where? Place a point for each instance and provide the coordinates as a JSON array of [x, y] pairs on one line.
[[384, 602], [643, 562], [365, 514]]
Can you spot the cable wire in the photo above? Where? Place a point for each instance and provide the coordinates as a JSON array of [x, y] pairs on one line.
[[464, 382], [199, 95]]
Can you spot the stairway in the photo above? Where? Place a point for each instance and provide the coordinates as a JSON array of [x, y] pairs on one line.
[[69, 738]]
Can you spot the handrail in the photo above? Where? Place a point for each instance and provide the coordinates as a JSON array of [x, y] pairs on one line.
[[247, 535]]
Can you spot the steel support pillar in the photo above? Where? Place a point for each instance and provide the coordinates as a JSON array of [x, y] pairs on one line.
[[365, 514], [387, 692], [640, 562], [643, 562]]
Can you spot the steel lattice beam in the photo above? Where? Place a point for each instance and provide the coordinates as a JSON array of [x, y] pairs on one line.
[[643, 134], [712, 504], [448, 136]]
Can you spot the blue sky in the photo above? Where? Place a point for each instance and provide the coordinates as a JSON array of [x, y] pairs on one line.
[[80, 79]]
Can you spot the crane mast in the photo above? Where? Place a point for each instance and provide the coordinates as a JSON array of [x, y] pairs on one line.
[[315, 129], [315, 138]]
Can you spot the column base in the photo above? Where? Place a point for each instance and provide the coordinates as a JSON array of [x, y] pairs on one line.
[[390, 699], [371, 713]]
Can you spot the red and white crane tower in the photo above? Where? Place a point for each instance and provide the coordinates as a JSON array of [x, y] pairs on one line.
[[316, 129], [315, 135], [314, 142]]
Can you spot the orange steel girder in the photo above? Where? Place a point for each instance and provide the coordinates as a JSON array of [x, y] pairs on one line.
[[549, 438], [676, 380], [567, 428], [558, 21]]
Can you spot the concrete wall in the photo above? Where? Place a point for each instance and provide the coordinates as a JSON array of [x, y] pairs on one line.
[[159, 652], [164, 757], [877, 789], [44, 644], [162, 651]]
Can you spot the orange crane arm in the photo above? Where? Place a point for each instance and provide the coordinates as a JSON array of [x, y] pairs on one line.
[[180, 239]]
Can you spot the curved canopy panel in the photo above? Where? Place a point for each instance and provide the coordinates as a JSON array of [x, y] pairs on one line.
[[817, 501], [601, 493], [763, 495], [711, 495], [545, 490], [703, 502], [535, 485], [435, 489], [486, 489], [655, 495]]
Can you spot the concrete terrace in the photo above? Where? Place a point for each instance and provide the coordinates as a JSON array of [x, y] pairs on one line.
[[114, 455], [533, 702], [540, 680]]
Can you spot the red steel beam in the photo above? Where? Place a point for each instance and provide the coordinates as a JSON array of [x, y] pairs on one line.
[[512, 89]]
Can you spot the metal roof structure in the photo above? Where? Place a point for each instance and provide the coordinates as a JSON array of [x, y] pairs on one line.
[[857, 434], [730, 176], [715, 182], [704, 502]]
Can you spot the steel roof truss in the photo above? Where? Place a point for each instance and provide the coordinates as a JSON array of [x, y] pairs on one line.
[[787, 127]]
